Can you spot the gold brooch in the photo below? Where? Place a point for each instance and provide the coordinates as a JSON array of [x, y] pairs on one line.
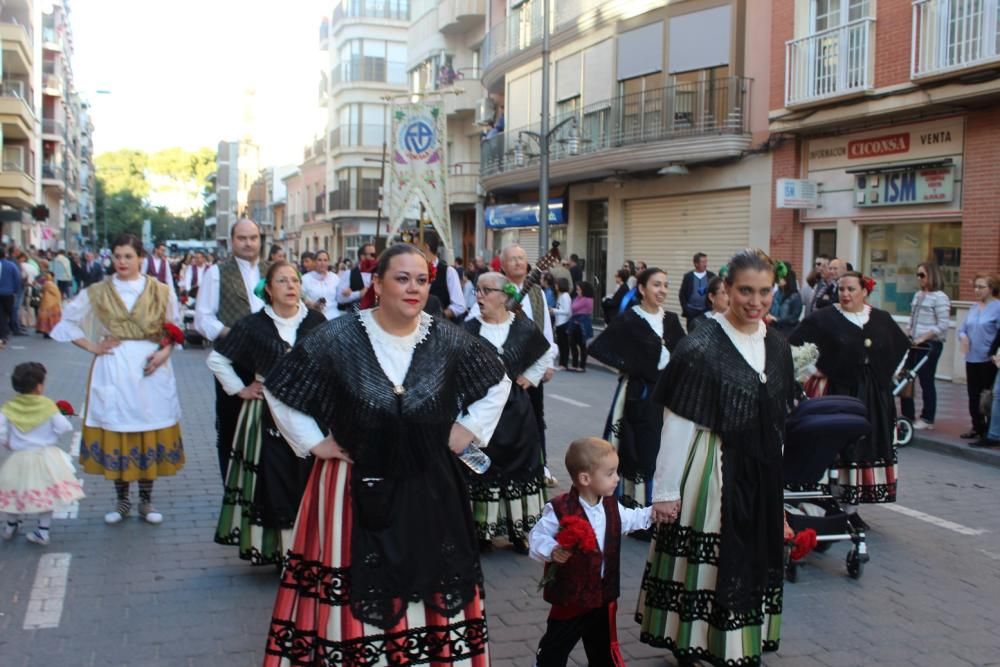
[[399, 390], [868, 342]]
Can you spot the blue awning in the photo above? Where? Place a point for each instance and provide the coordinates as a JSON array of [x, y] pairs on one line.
[[505, 216]]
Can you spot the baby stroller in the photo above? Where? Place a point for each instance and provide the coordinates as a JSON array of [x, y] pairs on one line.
[[815, 434], [192, 337], [905, 377]]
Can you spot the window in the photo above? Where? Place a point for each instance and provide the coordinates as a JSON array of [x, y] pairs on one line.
[[372, 60], [641, 106], [890, 254]]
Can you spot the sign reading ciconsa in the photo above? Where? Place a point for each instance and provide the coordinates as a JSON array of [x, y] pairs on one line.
[[933, 185]]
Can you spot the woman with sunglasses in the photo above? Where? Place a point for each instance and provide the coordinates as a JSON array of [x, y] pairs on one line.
[[265, 479], [929, 321], [507, 500]]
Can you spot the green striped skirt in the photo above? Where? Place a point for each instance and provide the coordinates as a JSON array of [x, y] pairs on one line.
[[676, 607], [510, 511], [240, 520]]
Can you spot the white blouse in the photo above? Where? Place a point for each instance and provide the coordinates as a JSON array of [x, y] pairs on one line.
[[222, 367], [857, 319], [394, 354], [679, 433], [497, 334], [77, 313], [315, 287], [45, 434], [655, 322]]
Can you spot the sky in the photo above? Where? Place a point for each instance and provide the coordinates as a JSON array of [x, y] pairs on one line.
[[176, 72]]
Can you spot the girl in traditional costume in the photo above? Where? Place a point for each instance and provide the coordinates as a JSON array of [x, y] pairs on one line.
[[384, 565], [131, 429], [265, 480], [638, 344], [38, 477], [507, 500], [859, 350], [712, 589]]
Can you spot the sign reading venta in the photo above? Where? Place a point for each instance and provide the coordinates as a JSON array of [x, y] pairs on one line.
[[417, 170], [933, 185]]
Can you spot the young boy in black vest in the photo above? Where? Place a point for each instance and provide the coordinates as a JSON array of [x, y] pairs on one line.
[[584, 589]]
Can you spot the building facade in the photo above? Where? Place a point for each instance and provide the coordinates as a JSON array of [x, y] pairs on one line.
[[659, 139], [366, 45], [444, 66], [19, 172], [888, 115], [237, 166]]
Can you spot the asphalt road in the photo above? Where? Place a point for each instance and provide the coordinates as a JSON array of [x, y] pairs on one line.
[[142, 595]]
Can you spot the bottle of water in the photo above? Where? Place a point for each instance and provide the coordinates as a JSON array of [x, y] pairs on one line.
[[476, 459]]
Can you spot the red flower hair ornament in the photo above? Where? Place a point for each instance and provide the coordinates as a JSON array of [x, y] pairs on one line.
[[869, 284]]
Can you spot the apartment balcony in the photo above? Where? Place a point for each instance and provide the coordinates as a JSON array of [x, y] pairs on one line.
[[53, 177], [952, 36], [52, 84], [358, 137], [463, 183], [370, 9], [830, 64], [353, 199], [16, 117], [17, 187], [51, 40], [17, 51], [685, 123], [456, 17], [521, 30], [370, 70], [53, 130], [461, 90]]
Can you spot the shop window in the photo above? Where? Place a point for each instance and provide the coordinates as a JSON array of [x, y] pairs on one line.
[[890, 254]]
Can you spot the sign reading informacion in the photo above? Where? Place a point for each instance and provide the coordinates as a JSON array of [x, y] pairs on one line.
[[932, 185], [796, 193]]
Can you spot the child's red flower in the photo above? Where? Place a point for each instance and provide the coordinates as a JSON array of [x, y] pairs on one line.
[[65, 408], [803, 543], [172, 334], [576, 534]]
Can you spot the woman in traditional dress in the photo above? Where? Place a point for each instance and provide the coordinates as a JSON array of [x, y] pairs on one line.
[[508, 499], [638, 344], [319, 287], [265, 479], [384, 566], [131, 429], [859, 350], [50, 306], [713, 585]]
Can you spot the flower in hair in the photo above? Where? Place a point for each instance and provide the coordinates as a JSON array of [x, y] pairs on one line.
[[259, 289], [510, 289], [780, 270], [869, 284]]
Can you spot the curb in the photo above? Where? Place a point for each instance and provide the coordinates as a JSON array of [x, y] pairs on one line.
[[989, 457]]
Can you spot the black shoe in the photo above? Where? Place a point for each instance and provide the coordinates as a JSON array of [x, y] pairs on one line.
[[520, 545], [970, 435], [986, 443], [857, 523]]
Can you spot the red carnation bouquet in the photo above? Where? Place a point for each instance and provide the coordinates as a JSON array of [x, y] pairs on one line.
[[65, 408], [172, 335], [575, 535], [803, 542]]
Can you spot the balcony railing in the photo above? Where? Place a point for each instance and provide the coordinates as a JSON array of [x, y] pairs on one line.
[[364, 198], [718, 107], [830, 63], [52, 172], [369, 69], [463, 179], [520, 30], [16, 88], [372, 9], [951, 35], [53, 127]]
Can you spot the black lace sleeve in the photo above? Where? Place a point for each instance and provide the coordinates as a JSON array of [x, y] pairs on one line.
[[239, 344], [305, 378], [605, 347], [687, 386], [478, 369]]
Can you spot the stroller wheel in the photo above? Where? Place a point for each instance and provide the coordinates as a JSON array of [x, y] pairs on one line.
[[904, 432], [855, 567]]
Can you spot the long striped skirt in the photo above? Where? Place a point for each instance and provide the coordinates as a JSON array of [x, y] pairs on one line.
[[240, 521], [635, 489], [313, 624], [676, 607], [509, 511]]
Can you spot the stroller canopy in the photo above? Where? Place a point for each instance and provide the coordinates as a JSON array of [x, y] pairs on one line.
[[817, 431]]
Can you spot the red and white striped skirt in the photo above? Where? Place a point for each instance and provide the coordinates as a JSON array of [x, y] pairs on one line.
[[313, 624]]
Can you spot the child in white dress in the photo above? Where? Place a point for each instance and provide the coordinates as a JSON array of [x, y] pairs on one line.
[[38, 476]]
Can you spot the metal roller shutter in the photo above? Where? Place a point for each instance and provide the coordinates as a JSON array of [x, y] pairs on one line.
[[667, 231]]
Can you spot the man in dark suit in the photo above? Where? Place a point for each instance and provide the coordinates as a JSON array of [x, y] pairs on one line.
[[694, 290], [93, 271]]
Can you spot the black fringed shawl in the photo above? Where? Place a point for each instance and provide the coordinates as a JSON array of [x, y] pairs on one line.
[[709, 382], [630, 345], [524, 346], [254, 345]]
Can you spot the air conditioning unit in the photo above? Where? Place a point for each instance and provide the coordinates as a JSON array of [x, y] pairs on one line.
[[485, 111]]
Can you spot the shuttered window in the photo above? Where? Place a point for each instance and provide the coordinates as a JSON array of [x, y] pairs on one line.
[[667, 231]]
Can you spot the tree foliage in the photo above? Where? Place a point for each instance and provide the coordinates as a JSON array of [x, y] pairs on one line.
[[123, 190]]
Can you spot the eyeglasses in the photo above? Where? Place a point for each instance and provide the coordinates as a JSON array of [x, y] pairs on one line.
[[486, 290], [921, 275], [287, 281]]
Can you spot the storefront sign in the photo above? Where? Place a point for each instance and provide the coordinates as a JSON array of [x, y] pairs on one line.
[[906, 143], [796, 193], [504, 216], [933, 185]]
